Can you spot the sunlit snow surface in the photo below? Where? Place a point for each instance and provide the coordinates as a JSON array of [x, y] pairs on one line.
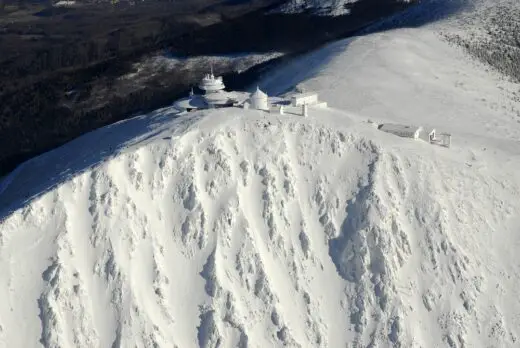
[[245, 229]]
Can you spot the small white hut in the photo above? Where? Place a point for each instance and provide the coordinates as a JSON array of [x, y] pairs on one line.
[[432, 134], [300, 99], [429, 135], [401, 130], [258, 100]]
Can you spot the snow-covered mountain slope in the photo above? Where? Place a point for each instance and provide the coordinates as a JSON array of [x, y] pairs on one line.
[[252, 231], [410, 76], [239, 228]]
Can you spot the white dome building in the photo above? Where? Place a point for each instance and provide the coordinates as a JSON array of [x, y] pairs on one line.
[[193, 102], [213, 88], [258, 100], [211, 84]]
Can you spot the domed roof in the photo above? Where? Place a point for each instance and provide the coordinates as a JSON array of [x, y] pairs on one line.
[[216, 97], [192, 102], [258, 94]]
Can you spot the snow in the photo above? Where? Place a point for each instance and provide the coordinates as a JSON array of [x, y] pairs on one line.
[[409, 76], [317, 7], [240, 228], [64, 3], [167, 62]]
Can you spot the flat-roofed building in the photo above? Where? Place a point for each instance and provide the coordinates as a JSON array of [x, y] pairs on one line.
[[401, 130], [310, 98]]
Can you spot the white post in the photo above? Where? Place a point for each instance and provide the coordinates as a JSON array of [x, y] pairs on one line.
[[305, 110], [281, 110]]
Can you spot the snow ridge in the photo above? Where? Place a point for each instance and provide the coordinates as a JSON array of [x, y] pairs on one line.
[[250, 232]]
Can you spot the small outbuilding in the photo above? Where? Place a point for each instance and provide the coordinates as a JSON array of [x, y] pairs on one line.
[[432, 135], [258, 100], [401, 130], [429, 135], [300, 99], [193, 102]]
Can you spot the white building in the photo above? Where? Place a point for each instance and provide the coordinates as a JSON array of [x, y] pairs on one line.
[[258, 100], [431, 134], [304, 98], [444, 139], [214, 96], [211, 84], [213, 88], [193, 102], [401, 130]]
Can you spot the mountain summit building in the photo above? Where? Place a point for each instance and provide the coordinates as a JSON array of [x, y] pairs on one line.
[[215, 96]]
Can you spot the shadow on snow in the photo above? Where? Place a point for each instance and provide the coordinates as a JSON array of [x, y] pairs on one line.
[[41, 174], [36, 177]]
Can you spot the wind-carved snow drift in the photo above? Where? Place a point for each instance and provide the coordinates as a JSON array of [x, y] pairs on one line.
[[249, 233]]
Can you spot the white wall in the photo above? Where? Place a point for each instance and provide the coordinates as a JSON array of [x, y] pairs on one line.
[[310, 99], [259, 103]]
